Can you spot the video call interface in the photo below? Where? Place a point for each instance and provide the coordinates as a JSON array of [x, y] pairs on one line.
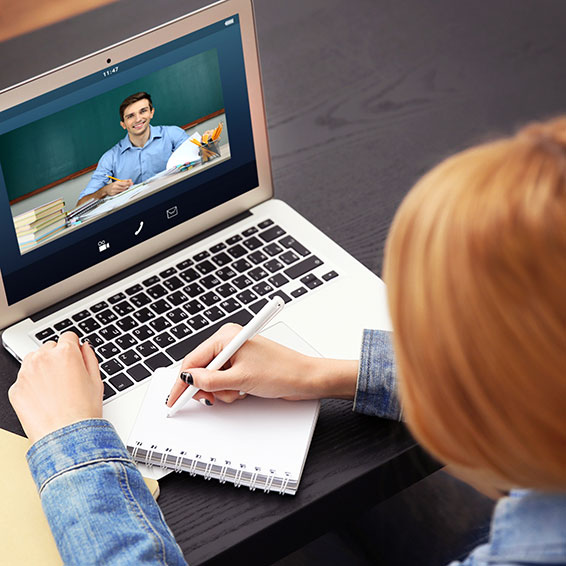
[[146, 143]]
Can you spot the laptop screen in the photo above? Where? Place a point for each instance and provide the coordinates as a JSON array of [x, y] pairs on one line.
[[100, 165]]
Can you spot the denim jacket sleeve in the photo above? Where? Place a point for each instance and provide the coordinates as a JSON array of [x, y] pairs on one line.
[[97, 504], [376, 391]]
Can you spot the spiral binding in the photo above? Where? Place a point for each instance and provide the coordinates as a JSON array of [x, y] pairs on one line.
[[237, 474]]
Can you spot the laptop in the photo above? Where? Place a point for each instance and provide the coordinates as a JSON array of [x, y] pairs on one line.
[[145, 224]]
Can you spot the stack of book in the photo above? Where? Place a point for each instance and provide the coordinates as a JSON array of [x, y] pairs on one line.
[[39, 224]]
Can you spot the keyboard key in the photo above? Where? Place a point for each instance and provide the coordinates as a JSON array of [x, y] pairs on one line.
[[95, 340], [237, 251], [73, 329], [99, 306], [111, 367], [209, 281], [198, 322], [193, 307], [330, 275], [221, 259], [232, 240], [157, 291], [140, 300], [143, 315], [168, 273], [281, 294], [123, 308], [158, 361], [80, 316], [151, 281], [190, 275], [290, 242], [242, 281], [109, 332], [225, 273], [89, 325], [249, 231], [257, 306], [289, 257], [271, 234], [126, 341], [273, 265], [302, 267], [230, 305], [163, 340], [143, 332], [213, 314], [180, 331], [241, 265], [179, 350], [217, 248], [272, 249], [129, 358], [127, 323], [160, 324], [108, 350], [210, 298], [106, 316], [116, 298], [54, 338], [258, 273], [121, 381], [265, 223], [108, 391], [193, 290], [262, 288], [161, 306], [257, 257], [205, 267], [200, 256], [147, 348], [252, 243], [311, 281], [173, 283], [226, 290], [278, 280], [177, 315], [43, 334], [133, 290], [138, 372], [184, 264], [246, 297], [177, 298], [60, 326], [298, 292]]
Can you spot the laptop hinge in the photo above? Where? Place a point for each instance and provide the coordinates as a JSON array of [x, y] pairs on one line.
[[135, 268]]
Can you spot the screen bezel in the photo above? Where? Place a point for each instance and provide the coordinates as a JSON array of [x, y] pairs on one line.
[[97, 62]]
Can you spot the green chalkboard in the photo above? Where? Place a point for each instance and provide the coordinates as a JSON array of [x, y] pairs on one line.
[[53, 148]]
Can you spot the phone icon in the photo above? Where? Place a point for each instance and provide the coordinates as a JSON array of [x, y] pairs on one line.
[[139, 228]]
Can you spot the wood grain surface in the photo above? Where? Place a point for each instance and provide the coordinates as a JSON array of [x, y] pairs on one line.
[[362, 97]]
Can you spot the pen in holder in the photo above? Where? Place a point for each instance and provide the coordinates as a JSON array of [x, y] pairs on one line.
[[209, 150]]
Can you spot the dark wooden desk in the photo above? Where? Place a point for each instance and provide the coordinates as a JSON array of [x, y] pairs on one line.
[[362, 97]]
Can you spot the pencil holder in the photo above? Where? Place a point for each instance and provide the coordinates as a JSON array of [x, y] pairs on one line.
[[210, 150]]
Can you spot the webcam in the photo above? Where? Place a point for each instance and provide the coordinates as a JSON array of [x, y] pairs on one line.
[[109, 60]]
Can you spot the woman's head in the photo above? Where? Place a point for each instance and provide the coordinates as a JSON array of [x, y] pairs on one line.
[[476, 273]]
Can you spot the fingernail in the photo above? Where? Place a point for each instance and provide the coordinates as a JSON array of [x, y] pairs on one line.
[[186, 377], [86, 341], [202, 401], [242, 393], [167, 399]]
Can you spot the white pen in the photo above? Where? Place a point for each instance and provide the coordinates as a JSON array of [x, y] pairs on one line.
[[265, 315]]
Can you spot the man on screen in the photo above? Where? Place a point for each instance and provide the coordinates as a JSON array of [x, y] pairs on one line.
[[142, 153]]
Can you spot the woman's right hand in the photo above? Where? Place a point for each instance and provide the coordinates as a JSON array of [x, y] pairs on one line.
[[264, 368]]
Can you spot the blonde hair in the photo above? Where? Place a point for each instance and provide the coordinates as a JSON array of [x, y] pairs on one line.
[[476, 273]]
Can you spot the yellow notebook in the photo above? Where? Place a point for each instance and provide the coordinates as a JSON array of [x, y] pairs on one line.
[[25, 534]]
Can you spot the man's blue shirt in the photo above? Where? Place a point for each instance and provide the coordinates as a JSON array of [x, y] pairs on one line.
[[126, 161]]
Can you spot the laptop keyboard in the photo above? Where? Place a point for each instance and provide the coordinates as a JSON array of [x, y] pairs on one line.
[[157, 322]]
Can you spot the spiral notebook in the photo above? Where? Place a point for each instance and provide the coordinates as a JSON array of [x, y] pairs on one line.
[[255, 442]]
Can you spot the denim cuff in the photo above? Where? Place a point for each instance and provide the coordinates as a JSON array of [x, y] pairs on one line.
[[376, 391], [73, 446]]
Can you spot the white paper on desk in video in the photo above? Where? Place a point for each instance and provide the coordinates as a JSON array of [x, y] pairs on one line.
[[185, 153], [110, 203]]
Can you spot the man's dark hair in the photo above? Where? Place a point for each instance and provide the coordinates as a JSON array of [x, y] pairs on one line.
[[134, 98]]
